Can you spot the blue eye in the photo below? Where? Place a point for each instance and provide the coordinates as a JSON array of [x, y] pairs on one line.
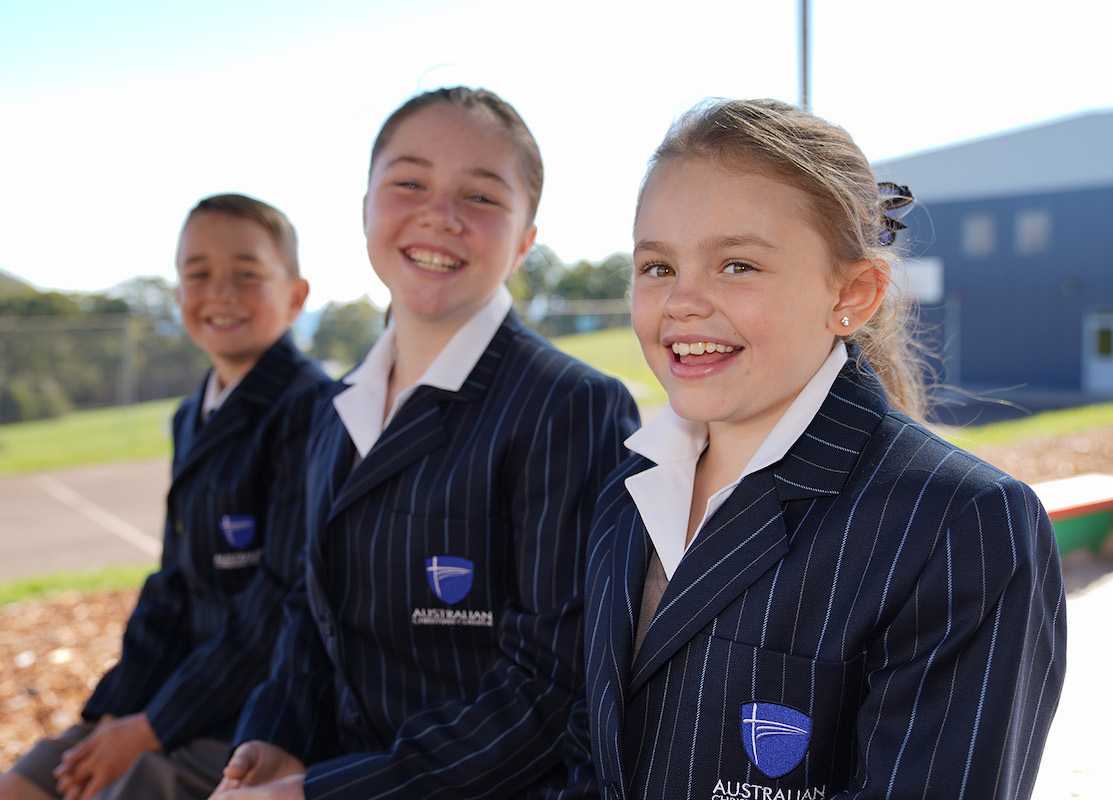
[[738, 267]]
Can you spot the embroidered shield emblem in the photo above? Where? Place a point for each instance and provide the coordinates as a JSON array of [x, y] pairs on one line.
[[449, 577], [775, 737], [238, 530]]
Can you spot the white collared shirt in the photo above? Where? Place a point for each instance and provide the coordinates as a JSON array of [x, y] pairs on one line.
[[663, 494], [362, 406], [214, 395]]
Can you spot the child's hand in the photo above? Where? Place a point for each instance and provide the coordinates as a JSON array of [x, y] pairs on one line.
[[288, 788], [106, 754], [256, 763]]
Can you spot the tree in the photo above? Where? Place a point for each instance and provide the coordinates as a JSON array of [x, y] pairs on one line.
[[537, 275], [346, 331], [608, 280]]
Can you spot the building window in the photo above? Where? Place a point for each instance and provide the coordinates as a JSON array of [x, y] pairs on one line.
[[1033, 232], [920, 279], [977, 235], [1105, 342]]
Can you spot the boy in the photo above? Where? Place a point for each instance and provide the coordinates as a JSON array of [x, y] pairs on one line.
[[200, 638]]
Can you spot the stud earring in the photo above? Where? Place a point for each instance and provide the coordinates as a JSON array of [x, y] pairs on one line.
[[845, 322]]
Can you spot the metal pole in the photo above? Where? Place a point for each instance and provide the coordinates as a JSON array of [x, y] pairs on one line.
[[805, 55]]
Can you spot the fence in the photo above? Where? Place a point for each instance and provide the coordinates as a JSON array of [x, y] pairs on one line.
[[49, 364]]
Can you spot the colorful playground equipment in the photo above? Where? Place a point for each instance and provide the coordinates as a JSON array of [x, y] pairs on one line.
[[1081, 509]]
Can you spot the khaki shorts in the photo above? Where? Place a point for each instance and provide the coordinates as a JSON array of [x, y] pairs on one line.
[[191, 772]]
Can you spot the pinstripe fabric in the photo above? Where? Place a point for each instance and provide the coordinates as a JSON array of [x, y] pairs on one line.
[[904, 595], [205, 625], [503, 473]]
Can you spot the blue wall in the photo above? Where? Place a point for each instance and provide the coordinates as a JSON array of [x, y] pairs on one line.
[[1020, 315]]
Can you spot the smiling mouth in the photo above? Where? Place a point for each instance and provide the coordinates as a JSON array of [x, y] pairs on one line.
[[702, 354], [432, 260], [224, 323]]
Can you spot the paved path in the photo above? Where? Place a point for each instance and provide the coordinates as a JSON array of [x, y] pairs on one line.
[[1078, 762], [82, 519]]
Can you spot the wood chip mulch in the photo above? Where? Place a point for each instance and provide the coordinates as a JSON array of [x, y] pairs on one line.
[[53, 650]]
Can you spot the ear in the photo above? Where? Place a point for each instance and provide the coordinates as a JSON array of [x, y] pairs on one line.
[[299, 291], [524, 246], [363, 212], [861, 292], [178, 292]]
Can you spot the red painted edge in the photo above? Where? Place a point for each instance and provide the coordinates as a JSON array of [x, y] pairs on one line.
[[1081, 510]]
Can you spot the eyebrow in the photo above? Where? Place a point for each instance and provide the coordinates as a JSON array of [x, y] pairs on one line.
[[478, 172], [715, 243], [724, 242], [201, 258]]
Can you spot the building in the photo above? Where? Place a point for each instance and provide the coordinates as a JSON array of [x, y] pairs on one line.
[[1010, 253]]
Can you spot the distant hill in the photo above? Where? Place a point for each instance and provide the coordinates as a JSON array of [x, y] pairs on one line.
[[10, 284]]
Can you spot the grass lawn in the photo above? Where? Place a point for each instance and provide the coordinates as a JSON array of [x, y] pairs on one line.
[[1046, 424], [143, 430], [99, 580], [128, 433], [616, 352]]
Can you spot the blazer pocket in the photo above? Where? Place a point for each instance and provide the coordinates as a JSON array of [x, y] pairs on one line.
[[457, 571], [793, 717]]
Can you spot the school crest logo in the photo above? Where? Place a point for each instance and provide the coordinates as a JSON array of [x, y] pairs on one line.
[[449, 577], [238, 530], [775, 737]]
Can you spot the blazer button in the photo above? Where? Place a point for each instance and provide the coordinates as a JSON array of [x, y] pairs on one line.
[[178, 526]]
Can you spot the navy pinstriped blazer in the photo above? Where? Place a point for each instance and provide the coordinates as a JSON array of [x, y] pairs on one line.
[[201, 635], [402, 676], [877, 615]]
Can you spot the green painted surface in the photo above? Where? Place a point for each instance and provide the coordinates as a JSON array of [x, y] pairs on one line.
[[1085, 530]]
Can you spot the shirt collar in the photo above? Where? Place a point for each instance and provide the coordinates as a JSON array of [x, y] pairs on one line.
[[214, 395], [361, 406], [663, 494]]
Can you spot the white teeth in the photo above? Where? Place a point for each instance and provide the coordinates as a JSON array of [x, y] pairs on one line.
[[438, 262], [223, 322], [699, 348]]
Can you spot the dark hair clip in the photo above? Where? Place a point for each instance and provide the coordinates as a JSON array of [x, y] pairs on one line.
[[896, 202]]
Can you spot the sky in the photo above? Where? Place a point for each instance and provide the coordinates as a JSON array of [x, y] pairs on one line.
[[117, 116]]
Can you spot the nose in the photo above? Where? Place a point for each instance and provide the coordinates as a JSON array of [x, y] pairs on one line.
[[441, 214], [690, 297], [223, 287]]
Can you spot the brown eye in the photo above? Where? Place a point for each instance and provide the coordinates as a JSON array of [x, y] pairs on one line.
[[657, 270], [738, 267]]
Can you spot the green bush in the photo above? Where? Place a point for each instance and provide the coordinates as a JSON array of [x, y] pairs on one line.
[[33, 397]]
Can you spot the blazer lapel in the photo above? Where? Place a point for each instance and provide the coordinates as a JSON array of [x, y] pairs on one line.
[[274, 371], [629, 562], [747, 535], [190, 428], [421, 425], [416, 430], [740, 542], [821, 460]]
